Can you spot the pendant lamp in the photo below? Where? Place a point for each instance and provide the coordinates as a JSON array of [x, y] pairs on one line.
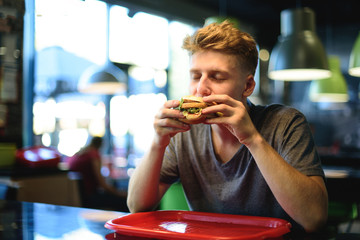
[[299, 54], [107, 79], [354, 64], [332, 89]]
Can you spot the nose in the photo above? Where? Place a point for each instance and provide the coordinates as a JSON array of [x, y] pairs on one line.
[[203, 86]]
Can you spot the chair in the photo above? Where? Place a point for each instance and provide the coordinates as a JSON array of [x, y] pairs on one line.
[[342, 212]]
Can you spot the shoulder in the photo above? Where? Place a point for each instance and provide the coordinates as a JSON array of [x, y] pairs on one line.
[[275, 113], [274, 109]]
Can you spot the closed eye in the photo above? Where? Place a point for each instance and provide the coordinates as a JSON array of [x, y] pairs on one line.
[[195, 76], [219, 76], [212, 75]]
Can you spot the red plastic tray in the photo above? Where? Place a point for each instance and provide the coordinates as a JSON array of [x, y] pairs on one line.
[[198, 225]]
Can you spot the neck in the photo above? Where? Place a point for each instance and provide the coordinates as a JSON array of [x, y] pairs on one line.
[[221, 132], [224, 142]]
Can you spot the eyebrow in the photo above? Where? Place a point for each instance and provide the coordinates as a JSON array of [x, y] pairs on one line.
[[211, 70]]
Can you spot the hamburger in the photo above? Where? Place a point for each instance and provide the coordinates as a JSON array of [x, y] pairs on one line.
[[191, 107]]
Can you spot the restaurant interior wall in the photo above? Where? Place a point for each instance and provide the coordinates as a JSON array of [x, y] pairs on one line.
[[11, 84]]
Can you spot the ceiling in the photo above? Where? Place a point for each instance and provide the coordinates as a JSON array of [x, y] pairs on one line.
[[337, 22], [263, 16]]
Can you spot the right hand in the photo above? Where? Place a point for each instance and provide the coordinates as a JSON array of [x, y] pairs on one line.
[[166, 124]]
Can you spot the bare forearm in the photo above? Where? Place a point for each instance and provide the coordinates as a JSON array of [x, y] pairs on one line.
[[145, 189], [143, 193], [304, 198]]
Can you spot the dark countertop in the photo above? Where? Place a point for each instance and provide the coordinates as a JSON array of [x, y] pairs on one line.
[[341, 160], [25, 220], [20, 171], [342, 182]]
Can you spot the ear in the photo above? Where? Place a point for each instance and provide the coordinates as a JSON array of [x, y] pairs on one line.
[[249, 86]]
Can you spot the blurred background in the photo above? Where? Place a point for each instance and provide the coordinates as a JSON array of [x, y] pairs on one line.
[[51, 50]]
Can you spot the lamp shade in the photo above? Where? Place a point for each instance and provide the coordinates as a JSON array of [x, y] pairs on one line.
[[332, 89], [107, 79], [354, 63], [299, 54]]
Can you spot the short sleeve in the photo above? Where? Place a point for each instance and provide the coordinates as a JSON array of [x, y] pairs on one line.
[[298, 146]]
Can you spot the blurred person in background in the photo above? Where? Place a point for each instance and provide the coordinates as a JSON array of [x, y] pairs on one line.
[[95, 192]]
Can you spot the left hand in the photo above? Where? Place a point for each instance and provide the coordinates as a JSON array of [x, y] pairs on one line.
[[235, 117]]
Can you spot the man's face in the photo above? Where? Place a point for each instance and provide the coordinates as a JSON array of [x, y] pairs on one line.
[[213, 72]]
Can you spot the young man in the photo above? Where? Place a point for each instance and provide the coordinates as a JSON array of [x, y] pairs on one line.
[[253, 160]]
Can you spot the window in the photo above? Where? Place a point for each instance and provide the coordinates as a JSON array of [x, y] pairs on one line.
[[68, 40], [77, 27], [141, 40], [70, 37]]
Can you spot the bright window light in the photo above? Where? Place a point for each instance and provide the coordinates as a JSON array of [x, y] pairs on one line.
[[120, 30], [160, 78], [79, 110], [142, 74], [44, 116], [46, 139], [71, 35], [84, 21], [120, 110], [141, 40], [72, 140], [179, 76], [141, 124], [97, 127]]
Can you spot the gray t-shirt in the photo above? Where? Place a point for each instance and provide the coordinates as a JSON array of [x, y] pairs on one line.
[[237, 186]]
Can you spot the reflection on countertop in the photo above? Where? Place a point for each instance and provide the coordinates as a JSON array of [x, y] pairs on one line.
[[25, 220]]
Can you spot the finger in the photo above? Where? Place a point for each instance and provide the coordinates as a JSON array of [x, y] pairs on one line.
[[219, 109], [219, 99], [213, 121], [169, 113], [171, 124], [169, 131], [172, 104]]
